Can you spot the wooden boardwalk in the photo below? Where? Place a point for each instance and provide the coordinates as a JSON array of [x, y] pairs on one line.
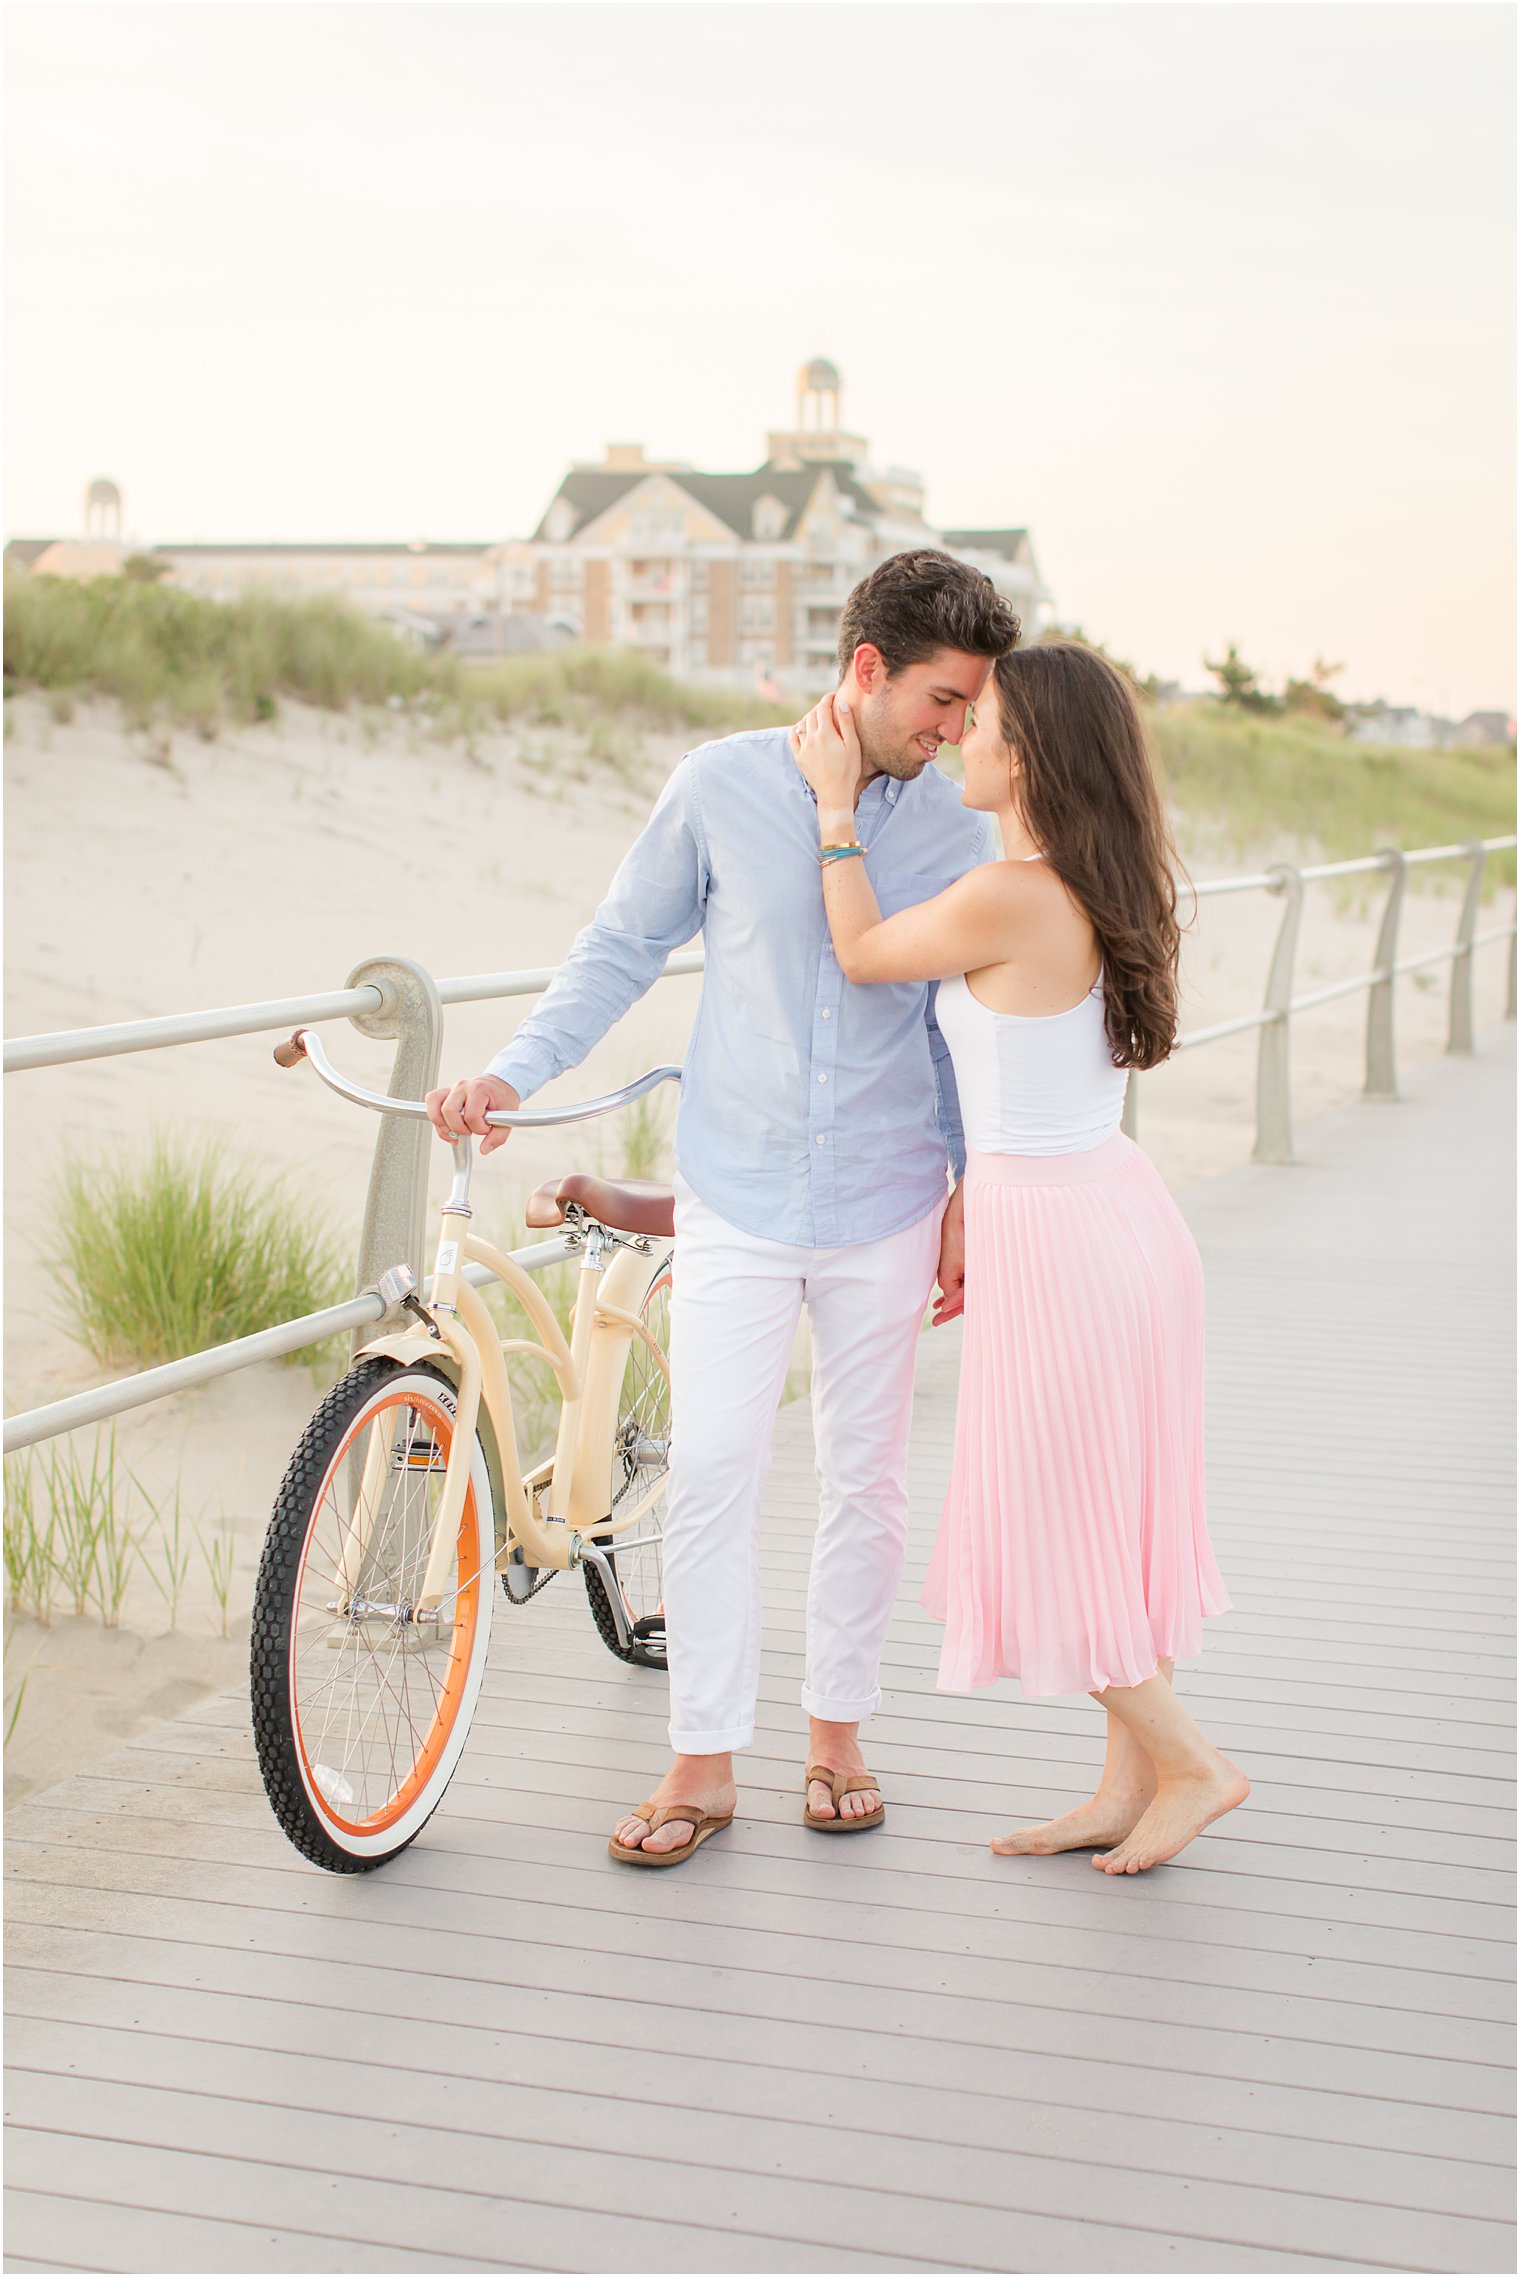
[[1287, 2051]]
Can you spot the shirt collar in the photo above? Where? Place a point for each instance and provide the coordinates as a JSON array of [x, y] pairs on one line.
[[890, 792]]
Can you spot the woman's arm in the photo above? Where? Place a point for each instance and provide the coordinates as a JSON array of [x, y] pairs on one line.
[[973, 923]]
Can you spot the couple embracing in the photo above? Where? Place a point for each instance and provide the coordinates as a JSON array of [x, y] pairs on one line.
[[908, 1070]]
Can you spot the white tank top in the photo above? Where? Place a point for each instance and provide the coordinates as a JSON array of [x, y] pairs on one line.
[[1031, 1083]]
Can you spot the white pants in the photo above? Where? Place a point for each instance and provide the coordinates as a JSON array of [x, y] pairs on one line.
[[733, 1318]]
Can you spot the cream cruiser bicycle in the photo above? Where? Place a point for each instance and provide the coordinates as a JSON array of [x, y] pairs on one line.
[[406, 1498]]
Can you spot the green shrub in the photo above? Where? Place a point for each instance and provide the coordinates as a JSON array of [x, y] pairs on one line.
[[185, 1248]]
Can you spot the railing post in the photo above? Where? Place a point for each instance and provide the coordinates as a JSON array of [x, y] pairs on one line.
[[1274, 1096], [1509, 985], [1459, 1034], [395, 1209], [1129, 1120], [1382, 1070]]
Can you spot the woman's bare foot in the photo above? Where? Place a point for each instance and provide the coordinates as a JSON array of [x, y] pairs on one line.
[[1103, 1819], [704, 1781], [1183, 1807]]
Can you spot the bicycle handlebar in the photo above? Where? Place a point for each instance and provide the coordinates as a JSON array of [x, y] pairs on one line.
[[304, 1045]]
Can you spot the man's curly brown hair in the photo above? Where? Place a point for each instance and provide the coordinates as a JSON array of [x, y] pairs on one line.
[[916, 603]]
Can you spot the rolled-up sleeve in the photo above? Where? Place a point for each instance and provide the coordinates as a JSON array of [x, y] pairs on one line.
[[654, 904]]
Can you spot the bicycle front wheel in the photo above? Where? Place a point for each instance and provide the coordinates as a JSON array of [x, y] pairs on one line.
[[361, 1701]]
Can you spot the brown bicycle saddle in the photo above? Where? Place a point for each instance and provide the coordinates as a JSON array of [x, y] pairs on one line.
[[633, 1205]]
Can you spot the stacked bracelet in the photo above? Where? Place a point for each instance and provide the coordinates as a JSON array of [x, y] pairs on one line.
[[840, 853]]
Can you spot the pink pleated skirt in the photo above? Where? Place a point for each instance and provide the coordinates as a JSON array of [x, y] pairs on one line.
[[1073, 1550]]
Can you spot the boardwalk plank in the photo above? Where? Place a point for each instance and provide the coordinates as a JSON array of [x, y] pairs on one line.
[[929, 2066], [983, 1921], [458, 2147], [114, 2045], [544, 2208], [1288, 2051]]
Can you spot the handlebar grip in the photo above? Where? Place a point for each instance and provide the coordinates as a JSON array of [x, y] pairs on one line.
[[291, 1054]]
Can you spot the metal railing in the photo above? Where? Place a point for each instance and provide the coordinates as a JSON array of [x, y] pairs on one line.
[[1274, 1101], [393, 998]]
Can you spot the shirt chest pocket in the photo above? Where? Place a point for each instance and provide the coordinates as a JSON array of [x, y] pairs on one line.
[[897, 890]]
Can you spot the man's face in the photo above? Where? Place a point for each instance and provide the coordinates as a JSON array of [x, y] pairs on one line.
[[905, 716]]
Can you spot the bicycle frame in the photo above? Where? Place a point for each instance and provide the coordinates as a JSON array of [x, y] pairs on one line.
[[589, 1370], [458, 1335]]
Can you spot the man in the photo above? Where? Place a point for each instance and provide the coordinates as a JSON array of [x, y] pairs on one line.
[[815, 1123]]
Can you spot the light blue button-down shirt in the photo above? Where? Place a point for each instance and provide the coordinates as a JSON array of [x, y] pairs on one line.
[[813, 1110]]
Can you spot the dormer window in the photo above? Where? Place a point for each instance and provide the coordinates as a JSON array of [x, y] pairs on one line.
[[767, 519], [559, 521]]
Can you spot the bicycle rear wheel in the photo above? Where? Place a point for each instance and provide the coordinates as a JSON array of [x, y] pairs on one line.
[[640, 1461], [360, 1703]]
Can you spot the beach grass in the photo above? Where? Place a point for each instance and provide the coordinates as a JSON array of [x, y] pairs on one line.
[[1255, 781], [166, 654], [79, 1523], [174, 658], [187, 1246]]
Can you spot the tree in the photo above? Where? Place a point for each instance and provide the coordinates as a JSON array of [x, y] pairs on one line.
[[1312, 696], [1239, 683], [1146, 683], [144, 568]]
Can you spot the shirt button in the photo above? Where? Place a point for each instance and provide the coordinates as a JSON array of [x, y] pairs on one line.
[[826, 1014], [820, 1138], [823, 1079]]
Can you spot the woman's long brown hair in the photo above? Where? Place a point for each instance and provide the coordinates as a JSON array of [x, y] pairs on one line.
[[1087, 793]]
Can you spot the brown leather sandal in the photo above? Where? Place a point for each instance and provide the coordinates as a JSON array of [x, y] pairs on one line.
[[840, 1784], [702, 1824]]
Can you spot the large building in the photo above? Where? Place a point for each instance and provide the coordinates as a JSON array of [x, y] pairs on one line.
[[737, 576], [713, 576]]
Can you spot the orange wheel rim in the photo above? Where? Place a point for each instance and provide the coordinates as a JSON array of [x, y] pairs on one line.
[[424, 1725]]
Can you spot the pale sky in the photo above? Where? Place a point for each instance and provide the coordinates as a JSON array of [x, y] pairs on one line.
[[1217, 299]]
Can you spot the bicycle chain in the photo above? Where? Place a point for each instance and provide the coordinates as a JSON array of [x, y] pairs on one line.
[[546, 1574]]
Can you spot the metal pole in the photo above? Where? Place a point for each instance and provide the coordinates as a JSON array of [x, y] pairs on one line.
[[1382, 1071], [1274, 1096], [106, 1400], [1459, 1034], [395, 1208], [180, 1028], [361, 1312]]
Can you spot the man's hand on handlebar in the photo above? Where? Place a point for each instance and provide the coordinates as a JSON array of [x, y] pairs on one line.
[[458, 1110]]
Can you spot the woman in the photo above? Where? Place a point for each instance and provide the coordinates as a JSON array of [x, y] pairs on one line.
[[1073, 1551]]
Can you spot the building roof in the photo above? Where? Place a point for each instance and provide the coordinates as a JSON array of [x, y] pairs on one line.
[[731, 497], [1006, 542], [591, 490], [302, 545], [24, 551], [80, 558]]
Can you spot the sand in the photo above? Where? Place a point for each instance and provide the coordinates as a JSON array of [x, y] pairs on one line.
[[269, 863]]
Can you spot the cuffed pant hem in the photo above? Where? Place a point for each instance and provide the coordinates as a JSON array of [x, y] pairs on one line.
[[840, 1711], [711, 1742]]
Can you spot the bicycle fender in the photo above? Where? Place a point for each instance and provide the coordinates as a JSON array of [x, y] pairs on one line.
[[409, 1344]]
